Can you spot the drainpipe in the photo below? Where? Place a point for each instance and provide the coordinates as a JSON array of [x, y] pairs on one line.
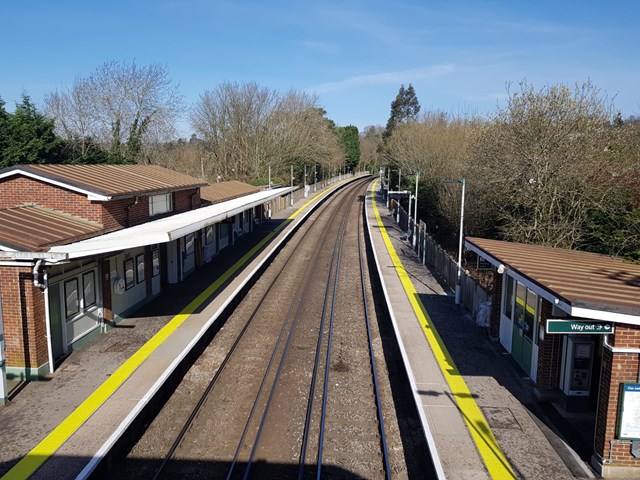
[[47, 321], [127, 208], [36, 275], [4, 391]]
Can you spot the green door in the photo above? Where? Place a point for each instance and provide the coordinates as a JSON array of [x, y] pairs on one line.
[[55, 317], [523, 323]]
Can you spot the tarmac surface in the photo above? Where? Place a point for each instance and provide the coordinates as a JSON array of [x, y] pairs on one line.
[[534, 438]]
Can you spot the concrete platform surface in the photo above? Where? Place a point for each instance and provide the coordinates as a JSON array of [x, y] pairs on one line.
[[477, 408]]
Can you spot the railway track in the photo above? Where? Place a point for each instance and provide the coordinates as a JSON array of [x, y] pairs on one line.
[[291, 387]]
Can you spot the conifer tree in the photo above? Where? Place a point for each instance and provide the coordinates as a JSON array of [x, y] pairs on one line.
[[404, 108]]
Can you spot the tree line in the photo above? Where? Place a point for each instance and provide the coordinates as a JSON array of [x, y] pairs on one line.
[[126, 113], [555, 166]]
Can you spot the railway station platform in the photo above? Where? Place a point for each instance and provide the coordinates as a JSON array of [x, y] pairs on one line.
[[478, 411], [475, 407], [60, 427]]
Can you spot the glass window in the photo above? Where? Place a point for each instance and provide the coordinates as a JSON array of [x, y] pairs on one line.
[[508, 298], [140, 268], [89, 288], [159, 204], [521, 297], [189, 241], [72, 301], [208, 235], [224, 230], [155, 261], [530, 313], [129, 273]]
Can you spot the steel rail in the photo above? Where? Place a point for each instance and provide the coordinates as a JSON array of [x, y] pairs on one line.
[[285, 351], [325, 387], [207, 391], [314, 376], [383, 437]]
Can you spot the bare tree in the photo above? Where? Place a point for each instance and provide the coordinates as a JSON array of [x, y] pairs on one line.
[[544, 164], [120, 106], [247, 129]]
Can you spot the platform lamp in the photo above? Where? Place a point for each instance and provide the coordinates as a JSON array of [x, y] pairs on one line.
[[463, 182], [415, 216]]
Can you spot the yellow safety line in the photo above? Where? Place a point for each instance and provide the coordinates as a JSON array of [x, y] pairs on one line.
[[48, 446], [488, 447]]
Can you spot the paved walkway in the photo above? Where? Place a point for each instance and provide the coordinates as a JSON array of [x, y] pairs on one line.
[[530, 448]]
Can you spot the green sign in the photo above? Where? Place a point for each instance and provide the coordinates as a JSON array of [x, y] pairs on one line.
[[578, 326]]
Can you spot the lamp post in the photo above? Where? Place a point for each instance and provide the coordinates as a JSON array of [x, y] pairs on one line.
[[459, 272], [415, 216]]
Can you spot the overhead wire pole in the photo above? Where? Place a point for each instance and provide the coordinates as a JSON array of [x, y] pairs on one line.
[[415, 216], [459, 271]]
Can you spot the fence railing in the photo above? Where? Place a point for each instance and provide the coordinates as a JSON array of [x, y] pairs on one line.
[[433, 255]]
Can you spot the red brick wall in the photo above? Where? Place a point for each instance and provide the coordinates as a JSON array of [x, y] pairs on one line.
[[24, 318], [112, 215], [549, 354], [617, 368], [496, 304], [186, 200], [19, 190]]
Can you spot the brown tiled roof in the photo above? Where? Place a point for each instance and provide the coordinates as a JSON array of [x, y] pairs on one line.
[[113, 180], [33, 228], [583, 280], [222, 191]]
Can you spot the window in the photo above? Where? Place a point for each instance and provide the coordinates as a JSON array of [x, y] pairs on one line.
[[189, 241], [71, 300], [89, 288], [140, 268], [129, 274], [508, 298], [208, 235], [155, 262], [159, 204], [530, 313]]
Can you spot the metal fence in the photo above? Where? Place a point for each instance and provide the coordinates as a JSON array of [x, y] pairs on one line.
[[445, 266]]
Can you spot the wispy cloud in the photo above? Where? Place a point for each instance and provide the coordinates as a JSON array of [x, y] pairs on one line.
[[385, 78], [322, 47]]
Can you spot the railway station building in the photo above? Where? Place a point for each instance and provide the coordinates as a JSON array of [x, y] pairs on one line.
[[82, 246], [571, 321]]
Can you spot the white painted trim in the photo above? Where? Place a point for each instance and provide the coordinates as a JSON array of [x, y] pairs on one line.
[[605, 316]]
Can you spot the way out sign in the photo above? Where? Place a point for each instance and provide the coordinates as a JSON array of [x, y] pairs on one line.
[[578, 326]]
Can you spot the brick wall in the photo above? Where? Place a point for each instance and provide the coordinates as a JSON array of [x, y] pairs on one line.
[[20, 190], [112, 215], [617, 368], [24, 318], [549, 354], [496, 304], [186, 200]]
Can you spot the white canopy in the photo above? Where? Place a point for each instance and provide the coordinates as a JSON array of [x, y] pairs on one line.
[[169, 228]]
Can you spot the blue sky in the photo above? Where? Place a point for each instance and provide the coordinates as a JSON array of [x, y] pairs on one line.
[[459, 55]]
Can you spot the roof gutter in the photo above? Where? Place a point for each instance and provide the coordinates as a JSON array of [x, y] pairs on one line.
[[54, 256]]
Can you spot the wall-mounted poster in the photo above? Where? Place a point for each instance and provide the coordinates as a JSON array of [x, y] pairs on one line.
[[140, 268], [629, 412]]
